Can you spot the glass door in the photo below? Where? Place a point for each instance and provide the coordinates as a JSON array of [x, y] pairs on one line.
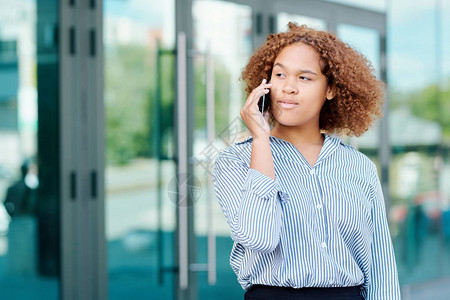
[[139, 101], [172, 100], [225, 34], [229, 31]]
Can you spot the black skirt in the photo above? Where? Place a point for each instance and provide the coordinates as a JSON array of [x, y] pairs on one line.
[[265, 292]]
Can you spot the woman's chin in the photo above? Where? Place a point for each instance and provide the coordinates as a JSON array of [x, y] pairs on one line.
[[286, 122]]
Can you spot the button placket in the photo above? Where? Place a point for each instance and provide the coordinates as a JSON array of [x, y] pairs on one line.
[[320, 213]]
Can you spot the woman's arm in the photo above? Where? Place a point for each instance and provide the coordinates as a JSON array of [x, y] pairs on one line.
[[248, 198], [261, 159], [384, 279]]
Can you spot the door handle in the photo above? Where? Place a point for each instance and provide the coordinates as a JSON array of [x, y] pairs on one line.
[[184, 266], [182, 161], [210, 129], [210, 266]]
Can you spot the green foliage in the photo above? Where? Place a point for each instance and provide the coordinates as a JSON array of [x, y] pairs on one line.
[[139, 101], [428, 103], [128, 77]]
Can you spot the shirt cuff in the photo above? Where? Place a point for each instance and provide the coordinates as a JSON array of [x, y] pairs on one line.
[[260, 184]]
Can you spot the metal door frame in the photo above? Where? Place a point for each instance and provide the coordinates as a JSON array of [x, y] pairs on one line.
[[82, 213]]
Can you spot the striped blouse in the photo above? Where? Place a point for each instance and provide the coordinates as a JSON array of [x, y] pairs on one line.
[[320, 226]]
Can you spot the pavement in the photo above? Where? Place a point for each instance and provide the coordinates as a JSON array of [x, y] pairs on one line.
[[431, 290]]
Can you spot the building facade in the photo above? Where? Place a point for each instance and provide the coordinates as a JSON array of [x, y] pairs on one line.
[[112, 112]]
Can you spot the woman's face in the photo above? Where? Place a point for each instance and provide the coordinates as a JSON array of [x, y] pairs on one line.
[[299, 89]]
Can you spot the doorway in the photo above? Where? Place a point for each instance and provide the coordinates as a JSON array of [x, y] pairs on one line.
[[169, 67]]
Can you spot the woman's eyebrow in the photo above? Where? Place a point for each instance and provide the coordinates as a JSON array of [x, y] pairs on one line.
[[300, 71]]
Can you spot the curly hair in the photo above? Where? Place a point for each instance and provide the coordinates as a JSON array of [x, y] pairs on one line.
[[358, 94]]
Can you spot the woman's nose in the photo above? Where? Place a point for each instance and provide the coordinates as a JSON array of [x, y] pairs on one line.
[[290, 87]]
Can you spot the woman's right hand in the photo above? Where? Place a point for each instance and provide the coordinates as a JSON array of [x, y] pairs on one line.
[[250, 114]]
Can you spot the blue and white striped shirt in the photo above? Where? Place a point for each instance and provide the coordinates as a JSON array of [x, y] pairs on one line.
[[320, 226]]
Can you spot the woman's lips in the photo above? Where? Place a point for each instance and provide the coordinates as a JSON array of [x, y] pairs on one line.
[[287, 104]]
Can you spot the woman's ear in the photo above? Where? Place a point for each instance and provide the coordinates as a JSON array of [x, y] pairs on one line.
[[330, 92]]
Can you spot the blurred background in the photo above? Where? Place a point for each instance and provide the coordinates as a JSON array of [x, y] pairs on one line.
[[103, 103]]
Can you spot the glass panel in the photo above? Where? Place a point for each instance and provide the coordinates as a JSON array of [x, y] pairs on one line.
[[364, 40], [420, 131], [139, 98], [226, 30], [29, 168], [284, 18]]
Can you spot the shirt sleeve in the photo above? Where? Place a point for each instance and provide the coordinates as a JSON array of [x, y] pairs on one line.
[[249, 202], [384, 278]]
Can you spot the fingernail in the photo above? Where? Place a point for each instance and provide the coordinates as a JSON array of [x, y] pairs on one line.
[[263, 81]]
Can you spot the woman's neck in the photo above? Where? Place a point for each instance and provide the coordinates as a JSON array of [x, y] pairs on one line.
[[298, 136]]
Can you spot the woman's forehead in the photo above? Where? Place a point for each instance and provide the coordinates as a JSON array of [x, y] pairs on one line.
[[298, 56]]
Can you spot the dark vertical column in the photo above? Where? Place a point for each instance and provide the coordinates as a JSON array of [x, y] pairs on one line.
[[97, 155], [259, 28], [48, 138]]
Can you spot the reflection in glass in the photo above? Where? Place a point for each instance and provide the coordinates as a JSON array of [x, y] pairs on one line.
[[139, 99], [29, 187], [419, 171]]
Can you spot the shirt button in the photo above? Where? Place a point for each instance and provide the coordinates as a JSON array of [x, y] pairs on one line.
[[319, 206], [312, 172], [324, 245]]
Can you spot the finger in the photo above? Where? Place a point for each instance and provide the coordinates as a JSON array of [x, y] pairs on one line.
[[258, 92], [253, 93], [254, 108], [258, 96], [253, 96], [263, 85]]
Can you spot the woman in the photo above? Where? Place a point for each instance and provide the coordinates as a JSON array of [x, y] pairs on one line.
[[306, 211]]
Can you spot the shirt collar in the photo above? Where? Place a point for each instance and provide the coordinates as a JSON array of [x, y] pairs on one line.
[[330, 145], [244, 141]]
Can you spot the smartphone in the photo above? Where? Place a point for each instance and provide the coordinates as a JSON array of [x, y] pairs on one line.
[[266, 101]]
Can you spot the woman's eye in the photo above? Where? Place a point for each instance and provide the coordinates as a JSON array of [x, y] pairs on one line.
[[280, 75], [304, 78]]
